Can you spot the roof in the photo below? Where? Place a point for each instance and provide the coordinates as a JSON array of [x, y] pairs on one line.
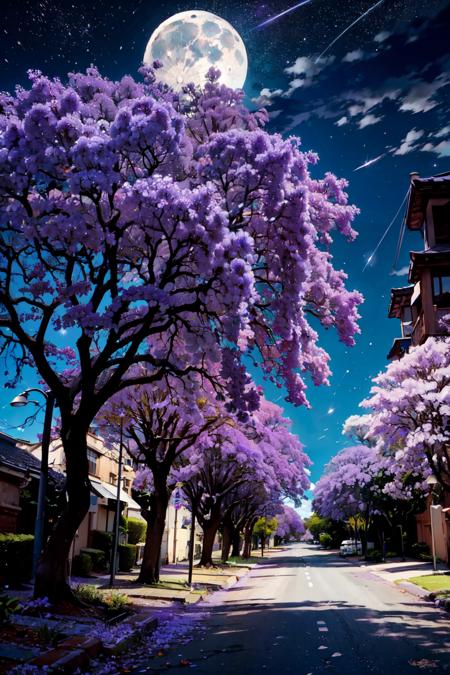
[[399, 347], [14, 457], [420, 192], [438, 255], [399, 298]]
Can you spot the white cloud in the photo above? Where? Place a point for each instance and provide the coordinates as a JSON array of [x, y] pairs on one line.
[[355, 55], [341, 121], [381, 37], [441, 149], [265, 97], [420, 98], [445, 131], [305, 70], [402, 272], [409, 142], [368, 120]]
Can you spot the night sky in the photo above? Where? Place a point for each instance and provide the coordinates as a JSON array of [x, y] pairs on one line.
[[381, 92]]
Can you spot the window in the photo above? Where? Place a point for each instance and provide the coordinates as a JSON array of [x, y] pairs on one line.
[[92, 461], [441, 220], [441, 290], [407, 321], [112, 478], [126, 485]]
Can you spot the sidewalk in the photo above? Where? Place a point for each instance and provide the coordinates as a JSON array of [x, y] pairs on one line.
[[172, 586], [397, 569]]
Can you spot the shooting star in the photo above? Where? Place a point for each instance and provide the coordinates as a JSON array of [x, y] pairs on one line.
[[370, 258], [370, 162], [278, 16], [360, 18]]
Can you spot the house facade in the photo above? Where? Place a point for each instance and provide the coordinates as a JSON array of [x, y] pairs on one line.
[[103, 474], [421, 306], [17, 469]]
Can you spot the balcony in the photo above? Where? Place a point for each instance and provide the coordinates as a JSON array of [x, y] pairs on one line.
[[421, 332], [418, 332]]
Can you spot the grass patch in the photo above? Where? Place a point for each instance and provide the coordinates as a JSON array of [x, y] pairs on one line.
[[238, 560], [170, 585], [435, 583]]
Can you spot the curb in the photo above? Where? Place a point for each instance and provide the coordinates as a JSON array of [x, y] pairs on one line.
[[425, 595], [76, 652]]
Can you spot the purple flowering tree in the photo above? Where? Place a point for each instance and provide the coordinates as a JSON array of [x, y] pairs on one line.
[[162, 422], [140, 228], [290, 524], [410, 411]]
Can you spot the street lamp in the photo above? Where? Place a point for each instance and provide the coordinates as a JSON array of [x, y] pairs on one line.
[[18, 402], [432, 481]]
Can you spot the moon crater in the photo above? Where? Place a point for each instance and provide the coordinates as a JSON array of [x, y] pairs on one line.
[[189, 43]]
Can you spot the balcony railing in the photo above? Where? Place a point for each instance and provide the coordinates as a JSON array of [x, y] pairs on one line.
[[419, 332]]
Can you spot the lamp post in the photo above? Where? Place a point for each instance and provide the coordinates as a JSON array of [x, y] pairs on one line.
[[117, 515], [432, 481], [18, 402]]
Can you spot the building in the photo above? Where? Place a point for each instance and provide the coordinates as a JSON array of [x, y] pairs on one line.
[[17, 469], [422, 304], [103, 473]]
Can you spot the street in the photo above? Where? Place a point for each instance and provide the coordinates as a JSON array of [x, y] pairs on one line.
[[306, 611]]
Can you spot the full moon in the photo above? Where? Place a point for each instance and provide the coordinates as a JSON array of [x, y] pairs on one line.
[[189, 43]]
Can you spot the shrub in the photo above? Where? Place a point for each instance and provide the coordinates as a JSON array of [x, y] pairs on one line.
[[82, 565], [420, 548], [116, 602], [97, 556], [16, 557], [8, 606], [374, 555], [325, 540], [137, 530], [89, 594], [127, 556], [102, 541]]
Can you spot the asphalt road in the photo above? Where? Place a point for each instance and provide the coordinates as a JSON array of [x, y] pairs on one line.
[[307, 612]]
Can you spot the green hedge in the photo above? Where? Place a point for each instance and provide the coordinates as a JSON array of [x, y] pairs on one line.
[[325, 540], [82, 565], [420, 548], [97, 556], [16, 557], [127, 556], [137, 530], [102, 541]]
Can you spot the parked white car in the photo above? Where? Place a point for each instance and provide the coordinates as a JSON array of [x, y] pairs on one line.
[[350, 547]]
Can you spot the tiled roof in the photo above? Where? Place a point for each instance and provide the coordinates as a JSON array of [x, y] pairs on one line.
[[435, 255], [423, 189], [15, 457], [399, 298]]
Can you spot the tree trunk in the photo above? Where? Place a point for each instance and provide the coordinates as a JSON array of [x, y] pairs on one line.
[[210, 528], [236, 550], [226, 543], [52, 572], [248, 532], [156, 523]]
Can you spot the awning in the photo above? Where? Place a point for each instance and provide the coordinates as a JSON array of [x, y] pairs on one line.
[[108, 491]]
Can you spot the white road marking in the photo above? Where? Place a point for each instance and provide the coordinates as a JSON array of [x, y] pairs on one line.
[[310, 584]]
